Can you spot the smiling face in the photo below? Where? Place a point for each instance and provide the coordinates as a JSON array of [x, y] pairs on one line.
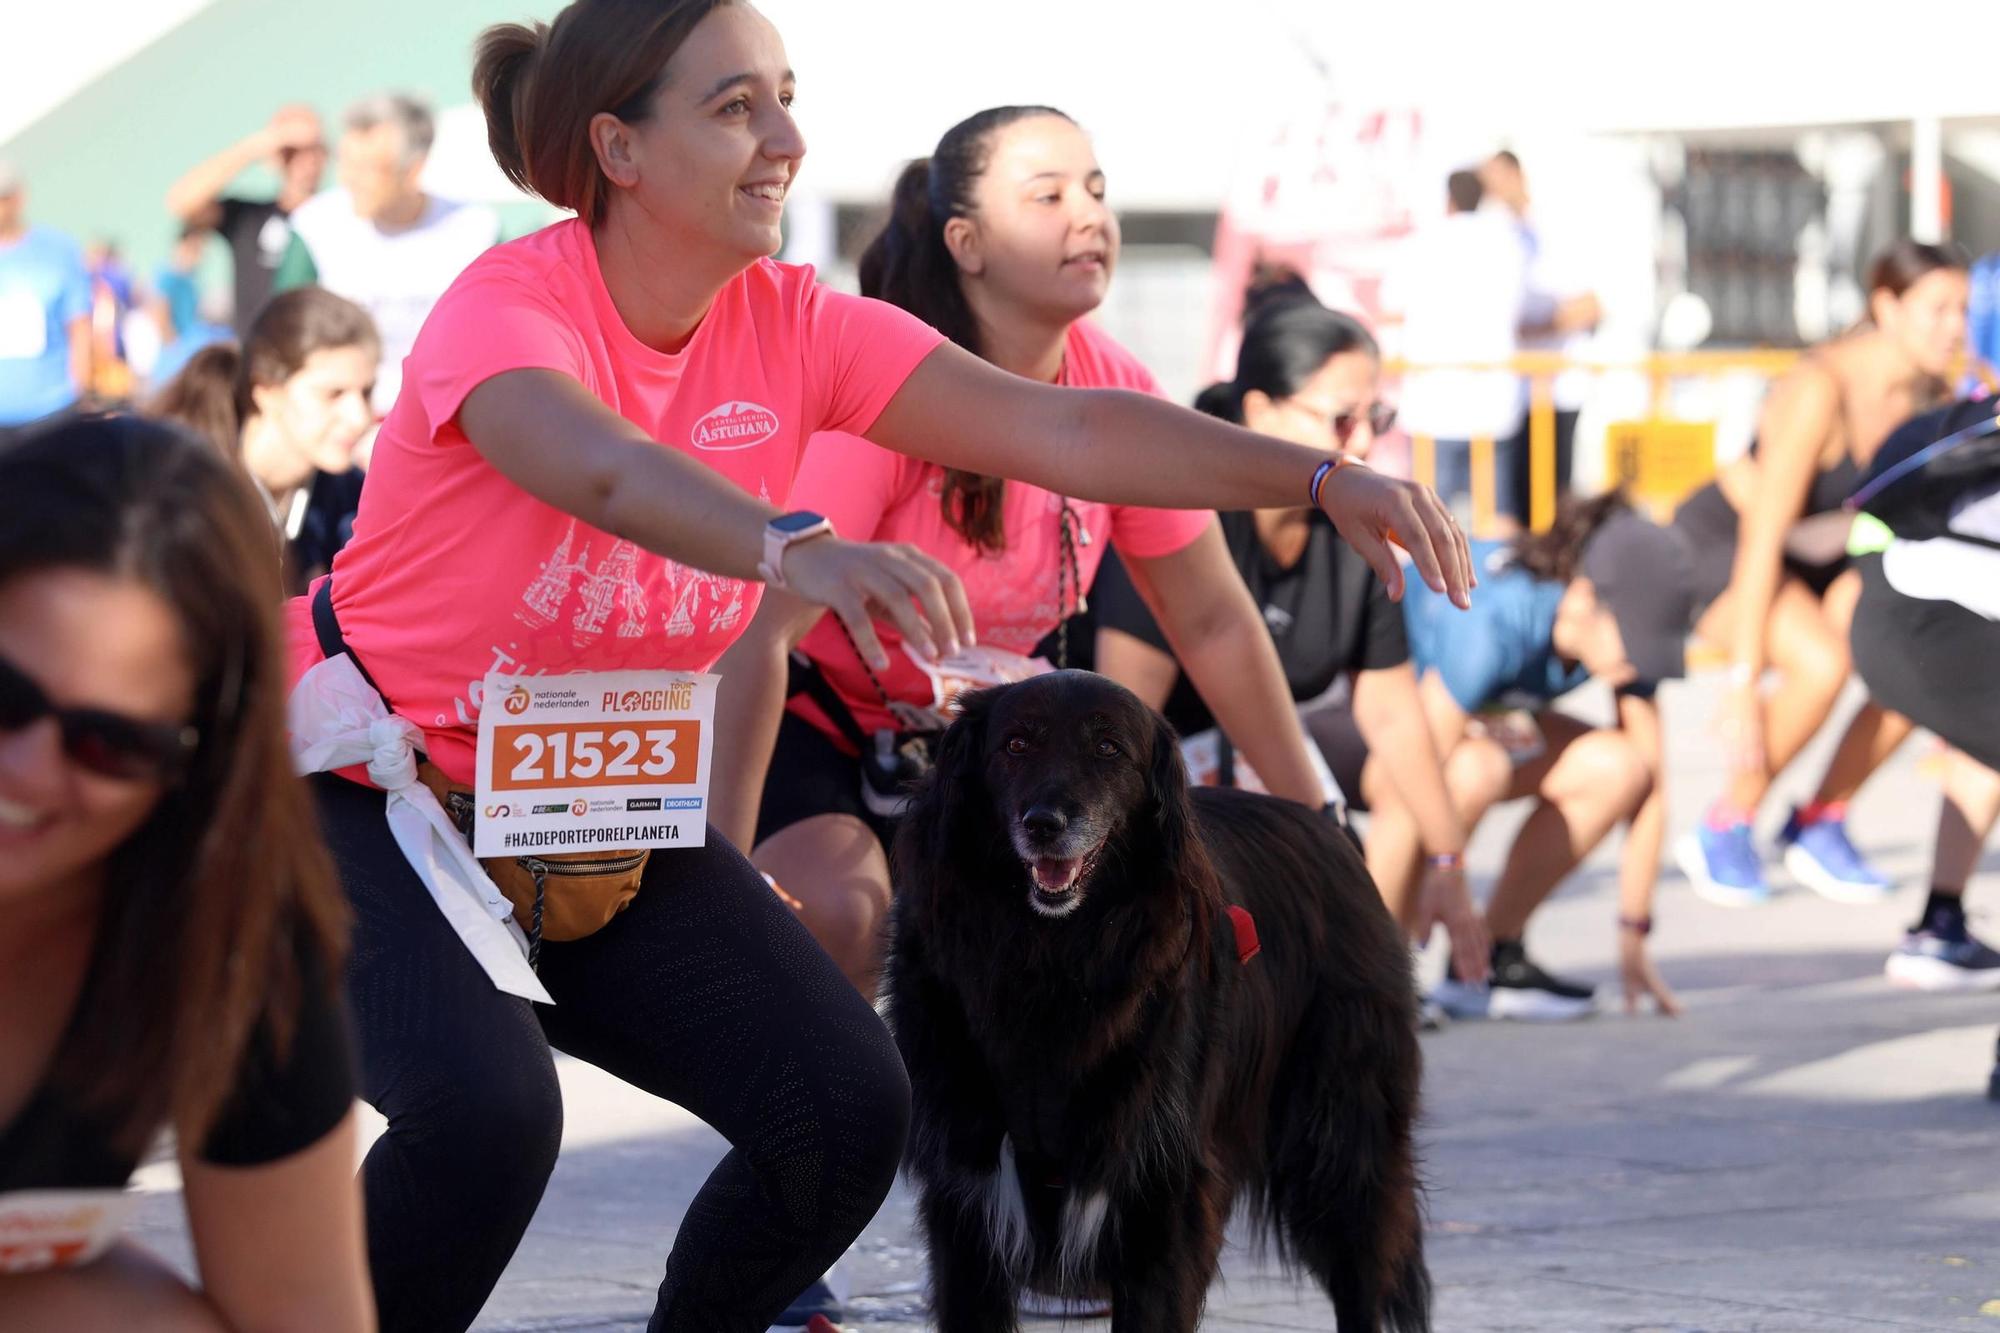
[[1068, 762], [711, 161], [88, 640], [1042, 239], [317, 417]]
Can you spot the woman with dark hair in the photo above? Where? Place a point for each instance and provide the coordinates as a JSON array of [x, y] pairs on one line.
[[589, 469], [1603, 595], [1310, 374], [290, 404], [1774, 585], [172, 949]]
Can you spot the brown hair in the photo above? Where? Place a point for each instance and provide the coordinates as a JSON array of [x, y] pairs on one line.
[[1557, 554], [222, 907], [211, 395], [1897, 267], [541, 83], [909, 265]]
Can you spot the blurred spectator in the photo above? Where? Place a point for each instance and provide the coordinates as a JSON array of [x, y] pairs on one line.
[[1560, 314], [176, 307], [290, 405], [112, 296], [258, 231], [45, 358], [1463, 286], [378, 239], [1983, 319]]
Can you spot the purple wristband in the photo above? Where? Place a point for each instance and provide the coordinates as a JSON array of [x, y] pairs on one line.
[[1320, 474]]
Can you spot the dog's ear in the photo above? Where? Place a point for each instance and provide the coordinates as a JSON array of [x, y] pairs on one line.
[[1167, 789], [955, 780]]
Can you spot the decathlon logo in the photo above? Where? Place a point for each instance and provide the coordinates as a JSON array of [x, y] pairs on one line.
[[735, 426]]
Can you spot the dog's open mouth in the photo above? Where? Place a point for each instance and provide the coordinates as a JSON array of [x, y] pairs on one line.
[[1057, 888]]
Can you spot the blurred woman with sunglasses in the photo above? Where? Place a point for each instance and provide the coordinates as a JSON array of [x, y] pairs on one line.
[[170, 953], [1312, 375]]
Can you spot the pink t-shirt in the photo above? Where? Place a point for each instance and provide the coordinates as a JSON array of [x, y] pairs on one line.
[[454, 571], [872, 494]]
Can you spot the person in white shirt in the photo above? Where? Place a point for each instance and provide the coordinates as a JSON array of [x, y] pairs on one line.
[[378, 239], [1561, 314], [1464, 288]]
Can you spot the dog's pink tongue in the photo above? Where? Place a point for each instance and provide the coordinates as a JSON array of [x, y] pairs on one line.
[[1054, 875]]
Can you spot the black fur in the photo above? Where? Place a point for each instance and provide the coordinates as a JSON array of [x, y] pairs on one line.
[[1122, 1050]]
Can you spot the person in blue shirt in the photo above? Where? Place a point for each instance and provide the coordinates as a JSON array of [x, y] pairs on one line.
[[44, 314], [1604, 595]]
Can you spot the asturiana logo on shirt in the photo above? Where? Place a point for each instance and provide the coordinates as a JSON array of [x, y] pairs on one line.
[[735, 426]]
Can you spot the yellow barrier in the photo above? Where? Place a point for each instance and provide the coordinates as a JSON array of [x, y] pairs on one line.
[[1660, 459]]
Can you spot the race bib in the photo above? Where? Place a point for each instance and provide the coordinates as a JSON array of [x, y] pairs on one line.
[[594, 761], [43, 1229], [24, 326]]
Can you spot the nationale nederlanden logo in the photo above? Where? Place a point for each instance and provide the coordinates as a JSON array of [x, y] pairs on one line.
[[734, 426], [518, 699]]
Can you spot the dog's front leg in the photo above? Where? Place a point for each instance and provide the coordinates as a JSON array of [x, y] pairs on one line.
[[1166, 1261], [971, 1289]]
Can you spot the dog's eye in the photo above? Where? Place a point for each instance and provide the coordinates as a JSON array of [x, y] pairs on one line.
[[1015, 745], [1109, 749]]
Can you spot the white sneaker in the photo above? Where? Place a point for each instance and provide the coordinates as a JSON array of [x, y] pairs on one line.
[[1463, 999]]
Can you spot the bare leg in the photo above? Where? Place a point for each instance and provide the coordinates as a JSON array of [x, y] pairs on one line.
[[1965, 819], [1587, 781], [1812, 664], [126, 1289], [836, 869], [1476, 774]]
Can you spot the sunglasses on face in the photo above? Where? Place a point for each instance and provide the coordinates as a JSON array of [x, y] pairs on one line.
[[1381, 419], [106, 743]]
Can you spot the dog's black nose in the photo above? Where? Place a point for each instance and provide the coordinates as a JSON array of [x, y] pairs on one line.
[[1044, 821]]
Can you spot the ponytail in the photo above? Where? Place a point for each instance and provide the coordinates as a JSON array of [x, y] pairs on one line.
[[909, 265], [1556, 555], [204, 397], [1224, 400], [503, 70]]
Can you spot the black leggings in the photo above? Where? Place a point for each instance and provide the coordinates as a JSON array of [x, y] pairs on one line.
[[706, 991], [1930, 661]]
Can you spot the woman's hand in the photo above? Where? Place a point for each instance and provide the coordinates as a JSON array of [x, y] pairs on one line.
[[1641, 979], [1444, 900], [1372, 510], [1739, 724], [860, 581]]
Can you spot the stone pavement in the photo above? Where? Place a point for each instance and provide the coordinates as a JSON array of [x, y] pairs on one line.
[[1806, 1151]]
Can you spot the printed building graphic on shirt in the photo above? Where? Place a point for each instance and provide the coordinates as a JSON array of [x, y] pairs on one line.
[[609, 595]]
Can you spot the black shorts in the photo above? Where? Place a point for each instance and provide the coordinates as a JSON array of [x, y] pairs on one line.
[[1930, 661], [1710, 522], [810, 776]]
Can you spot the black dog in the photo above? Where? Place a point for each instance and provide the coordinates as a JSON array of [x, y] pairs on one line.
[[1098, 1071]]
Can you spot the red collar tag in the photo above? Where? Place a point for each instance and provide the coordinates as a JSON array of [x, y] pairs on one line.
[[1245, 927]]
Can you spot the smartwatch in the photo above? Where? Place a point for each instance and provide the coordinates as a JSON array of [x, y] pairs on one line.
[[784, 531]]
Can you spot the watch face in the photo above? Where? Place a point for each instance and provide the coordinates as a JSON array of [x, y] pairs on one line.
[[800, 521]]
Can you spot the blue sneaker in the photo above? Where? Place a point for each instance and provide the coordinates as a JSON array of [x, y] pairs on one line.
[[1944, 956], [1722, 866], [1819, 856]]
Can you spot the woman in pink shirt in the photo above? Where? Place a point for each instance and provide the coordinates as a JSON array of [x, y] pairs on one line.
[[1001, 239], [588, 469]]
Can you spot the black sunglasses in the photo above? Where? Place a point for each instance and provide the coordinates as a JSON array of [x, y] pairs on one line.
[[103, 742]]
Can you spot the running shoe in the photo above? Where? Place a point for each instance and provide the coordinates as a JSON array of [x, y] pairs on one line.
[[1522, 991], [817, 1309], [1820, 856], [1431, 1016], [1461, 999], [1944, 956], [1722, 866]]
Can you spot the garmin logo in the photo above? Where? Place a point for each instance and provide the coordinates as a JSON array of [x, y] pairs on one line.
[[735, 426]]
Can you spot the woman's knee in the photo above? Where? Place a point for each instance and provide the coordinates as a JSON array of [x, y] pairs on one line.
[[495, 1104], [1477, 773]]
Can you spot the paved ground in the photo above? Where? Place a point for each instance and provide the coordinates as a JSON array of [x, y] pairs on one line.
[[1807, 1151]]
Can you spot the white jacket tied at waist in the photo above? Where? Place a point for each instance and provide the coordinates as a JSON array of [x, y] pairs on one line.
[[337, 720]]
